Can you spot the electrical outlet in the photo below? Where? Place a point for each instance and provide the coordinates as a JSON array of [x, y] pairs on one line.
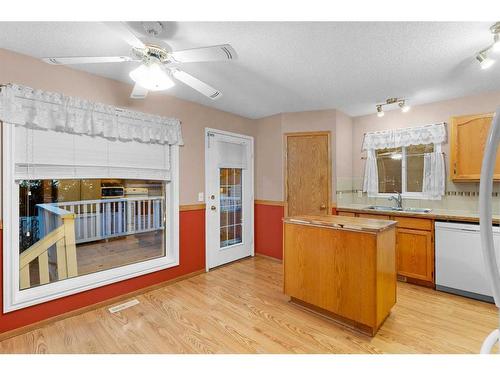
[[201, 197], [360, 193]]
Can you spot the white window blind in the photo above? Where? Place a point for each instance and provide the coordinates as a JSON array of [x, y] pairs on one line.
[[231, 154], [65, 137]]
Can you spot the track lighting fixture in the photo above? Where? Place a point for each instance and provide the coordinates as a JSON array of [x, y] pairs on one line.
[[482, 57], [400, 102], [496, 42], [380, 112], [404, 107], [484, 61]]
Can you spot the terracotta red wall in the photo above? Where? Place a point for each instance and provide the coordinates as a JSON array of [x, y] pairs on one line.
[[192, 258], [269, 230]]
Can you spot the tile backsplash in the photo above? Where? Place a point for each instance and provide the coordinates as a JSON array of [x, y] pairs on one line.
[[458, 196]]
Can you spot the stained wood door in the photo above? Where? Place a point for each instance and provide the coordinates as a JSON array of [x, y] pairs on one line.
[[308, 171], [415, 256], [468, 140]]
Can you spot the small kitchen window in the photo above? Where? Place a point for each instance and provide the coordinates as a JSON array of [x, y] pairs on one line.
[[401, 169], [407, 161]]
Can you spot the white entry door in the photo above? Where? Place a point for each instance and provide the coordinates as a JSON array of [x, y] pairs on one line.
[[229, 196]]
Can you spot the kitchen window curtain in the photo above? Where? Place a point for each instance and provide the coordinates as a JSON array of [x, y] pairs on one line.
[[434, 172], [370, 184]]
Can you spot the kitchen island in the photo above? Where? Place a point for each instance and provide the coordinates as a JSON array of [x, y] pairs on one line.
[[341, 267]]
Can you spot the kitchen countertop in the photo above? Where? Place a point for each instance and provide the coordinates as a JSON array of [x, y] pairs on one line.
[[342, 223], [435, 214]]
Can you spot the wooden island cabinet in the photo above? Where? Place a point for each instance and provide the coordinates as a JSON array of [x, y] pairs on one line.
[[341, 267]]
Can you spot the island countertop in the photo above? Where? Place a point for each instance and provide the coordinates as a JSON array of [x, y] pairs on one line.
[[342, 222]]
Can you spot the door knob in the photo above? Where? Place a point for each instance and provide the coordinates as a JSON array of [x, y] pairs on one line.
[[213, 208], [322, 207]]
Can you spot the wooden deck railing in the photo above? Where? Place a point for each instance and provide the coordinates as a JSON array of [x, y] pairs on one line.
[[66, 224], [63, 237], [107, 218]]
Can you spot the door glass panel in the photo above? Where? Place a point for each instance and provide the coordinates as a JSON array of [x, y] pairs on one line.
[[69, 228], [230, 206]]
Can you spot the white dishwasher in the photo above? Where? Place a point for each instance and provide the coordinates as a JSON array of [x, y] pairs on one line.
[[459, 261]]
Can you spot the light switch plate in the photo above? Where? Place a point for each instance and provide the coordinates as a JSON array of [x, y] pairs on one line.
[[201, 197]]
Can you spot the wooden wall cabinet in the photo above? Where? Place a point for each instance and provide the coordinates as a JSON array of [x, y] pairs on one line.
[[414, 247], [467, 142]]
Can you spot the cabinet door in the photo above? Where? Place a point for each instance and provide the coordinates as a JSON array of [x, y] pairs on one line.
[[415, 254], [468, 140]]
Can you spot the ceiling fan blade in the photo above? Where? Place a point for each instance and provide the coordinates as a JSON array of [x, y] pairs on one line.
[[138, 92], [86, 60], [196, 84], [212, 53], [124, 31]]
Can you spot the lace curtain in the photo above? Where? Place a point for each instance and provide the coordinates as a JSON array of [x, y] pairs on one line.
[[421, 135], [434, 174], [24, 106], [433, 184]]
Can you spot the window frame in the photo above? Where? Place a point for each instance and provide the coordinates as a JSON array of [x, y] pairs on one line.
[[15, 299], [404, 193]]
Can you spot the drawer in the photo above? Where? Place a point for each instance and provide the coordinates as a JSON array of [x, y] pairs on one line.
[[413, 223], [375, 216], [345, 213]]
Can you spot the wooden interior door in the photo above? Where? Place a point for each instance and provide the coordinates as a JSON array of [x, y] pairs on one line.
[[468, 140], [308, 173]]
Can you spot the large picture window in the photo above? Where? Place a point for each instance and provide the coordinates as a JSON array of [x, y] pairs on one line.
[[90, 195], [74, 227]]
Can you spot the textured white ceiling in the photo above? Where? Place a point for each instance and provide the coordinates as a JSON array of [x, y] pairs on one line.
[[293, 66]]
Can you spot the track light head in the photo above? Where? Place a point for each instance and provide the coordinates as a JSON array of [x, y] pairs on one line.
[[404, 107], [380, 111], [496, 42], [495, 30], [484, 61]]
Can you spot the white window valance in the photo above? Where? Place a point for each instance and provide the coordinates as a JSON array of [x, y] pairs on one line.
[[44, 110], [428, 134]]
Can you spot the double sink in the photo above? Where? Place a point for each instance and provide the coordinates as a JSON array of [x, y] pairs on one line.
[[397, 209]]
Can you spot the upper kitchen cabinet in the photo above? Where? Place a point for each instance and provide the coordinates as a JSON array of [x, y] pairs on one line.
[[467, 143]]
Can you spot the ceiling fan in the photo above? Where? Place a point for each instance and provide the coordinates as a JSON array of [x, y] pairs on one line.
[[158, 62]]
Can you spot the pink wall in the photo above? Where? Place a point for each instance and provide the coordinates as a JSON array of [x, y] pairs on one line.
[[269, 146], [25, 70]]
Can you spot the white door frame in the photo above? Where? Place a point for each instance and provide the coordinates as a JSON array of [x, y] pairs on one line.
[[207, 203]]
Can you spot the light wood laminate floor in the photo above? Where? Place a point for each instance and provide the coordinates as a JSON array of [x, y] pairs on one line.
[[240, 308]]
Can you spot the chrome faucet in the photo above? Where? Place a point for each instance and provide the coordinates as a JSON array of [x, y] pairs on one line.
[[398, 199]]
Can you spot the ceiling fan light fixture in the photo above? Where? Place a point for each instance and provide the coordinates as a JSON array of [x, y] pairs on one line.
[[380, 111], [152, 77], [484, 61]]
